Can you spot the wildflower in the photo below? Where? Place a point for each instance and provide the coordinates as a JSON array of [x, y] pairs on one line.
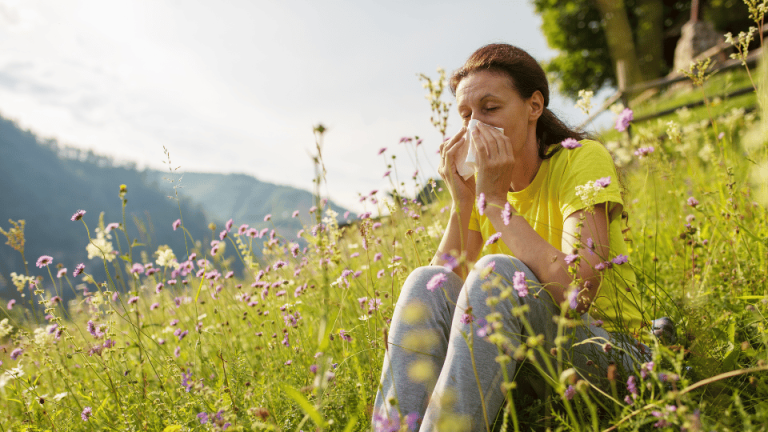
[[177, 352], [693, 202], [382, 150], [620, 259], [632, 385], [598, 323], [467, 318], [267, 217], [386, 174], [603, 182], [622, 122], [203, 416], [570, 259], [645, 368], [176, 224], [86, 414], [673, 131], [133, 300], [585, 100], [11, 302], [154, 306], [288, 363], [506, 214], [377, 257], [229, 275], [481, 203], [570, 392], [171, 282], [78, 215], [222, 235], [312, 209], [607, 347], [94, 330], [493, 239], [573, 298], [412, 419], [519, 284], [588, 192], [228, 225], [373, 304], [644, 151], [436, 282], [111, 226], [43, 261], [570, 143], [313, 368], [61, 273], [628, 400], [380, 274], [343, 334], [450, 262], [387, 423], [16, 353]]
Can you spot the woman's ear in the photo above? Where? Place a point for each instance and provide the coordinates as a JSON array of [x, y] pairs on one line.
[[536, 106]]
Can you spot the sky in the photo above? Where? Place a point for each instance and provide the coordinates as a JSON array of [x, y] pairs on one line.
[[237, 86]]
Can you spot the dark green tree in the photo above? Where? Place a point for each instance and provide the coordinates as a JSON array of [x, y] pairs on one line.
[[582, 29]]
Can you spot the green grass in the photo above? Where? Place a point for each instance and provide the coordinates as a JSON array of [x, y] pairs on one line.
[[305, 353]]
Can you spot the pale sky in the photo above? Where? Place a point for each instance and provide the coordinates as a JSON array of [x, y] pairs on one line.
[[236, 86]]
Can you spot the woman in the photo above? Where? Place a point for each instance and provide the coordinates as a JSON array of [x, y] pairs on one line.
[[567, 241]]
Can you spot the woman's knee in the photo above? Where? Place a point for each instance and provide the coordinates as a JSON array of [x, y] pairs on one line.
[[430, 281], [505, 265]]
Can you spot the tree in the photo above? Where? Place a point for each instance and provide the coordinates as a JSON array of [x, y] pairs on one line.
[[641, 32]]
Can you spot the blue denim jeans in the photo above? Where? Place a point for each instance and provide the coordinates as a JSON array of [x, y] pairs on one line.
[[430, 372]]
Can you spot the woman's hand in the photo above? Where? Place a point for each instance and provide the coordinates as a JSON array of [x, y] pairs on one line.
[[462, 191], [495, 161]]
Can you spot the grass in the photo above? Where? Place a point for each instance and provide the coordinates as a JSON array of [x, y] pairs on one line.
[[296, 343]]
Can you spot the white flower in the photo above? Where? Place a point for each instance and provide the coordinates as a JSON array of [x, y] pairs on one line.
[[673, 131], [42, 337], [5, 328], [588, 192], [100, 247], [585, 101], [59, 396], [165, 257]]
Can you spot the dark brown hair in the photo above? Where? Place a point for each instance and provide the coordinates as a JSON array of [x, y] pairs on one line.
[[526, 76]]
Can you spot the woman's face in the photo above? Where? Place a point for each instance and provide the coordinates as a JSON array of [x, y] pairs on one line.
[[490, 98]]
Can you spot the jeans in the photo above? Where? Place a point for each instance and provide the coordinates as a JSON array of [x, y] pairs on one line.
[[428, 370]]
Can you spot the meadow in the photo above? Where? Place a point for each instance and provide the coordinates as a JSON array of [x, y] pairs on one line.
[[173, 340]]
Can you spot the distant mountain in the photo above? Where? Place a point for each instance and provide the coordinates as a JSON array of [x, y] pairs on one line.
[[248, 200], [44, 183]]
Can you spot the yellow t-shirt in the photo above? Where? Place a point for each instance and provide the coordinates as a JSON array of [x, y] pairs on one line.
[[551, 198]]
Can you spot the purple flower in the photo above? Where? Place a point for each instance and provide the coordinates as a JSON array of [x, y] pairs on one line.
[[437, 281], [267, 217], [288, 363], [78, 269], [644, 151], [345, 335], [573, 298], [570, 143], [154, 306], [203, 416], [693, 202], [387, 423], [377, 256], [382, 150], [43, 261], [78, 215], [622, 122], [570, 259], [11, 302], [607, 347], [87, 412], [467, 318], [481, 203], [176, 224], [450, 261], [632, 384], [386, 174], [603, 182], [16, 353], [223, 235], [620, 259], [493, 239], [570, 392], [228, 225], [520, 285], [111, 226], [412, 419], [94, 330], [380, 274], [61, 273], [506, 214], [133, 300]]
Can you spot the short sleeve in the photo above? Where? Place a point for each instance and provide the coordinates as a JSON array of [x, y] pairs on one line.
[[588, 163]]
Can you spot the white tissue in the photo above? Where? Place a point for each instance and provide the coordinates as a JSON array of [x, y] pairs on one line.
[[466, 162]]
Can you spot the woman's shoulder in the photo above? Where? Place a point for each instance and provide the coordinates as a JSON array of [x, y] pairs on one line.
[[590, 151]]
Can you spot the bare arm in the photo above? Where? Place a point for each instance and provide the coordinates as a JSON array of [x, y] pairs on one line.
[[459, 238]]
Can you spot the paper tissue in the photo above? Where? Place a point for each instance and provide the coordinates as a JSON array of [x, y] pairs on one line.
[[466, 162]]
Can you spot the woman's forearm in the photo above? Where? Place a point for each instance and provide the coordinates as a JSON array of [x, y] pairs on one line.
[[546, 261]]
